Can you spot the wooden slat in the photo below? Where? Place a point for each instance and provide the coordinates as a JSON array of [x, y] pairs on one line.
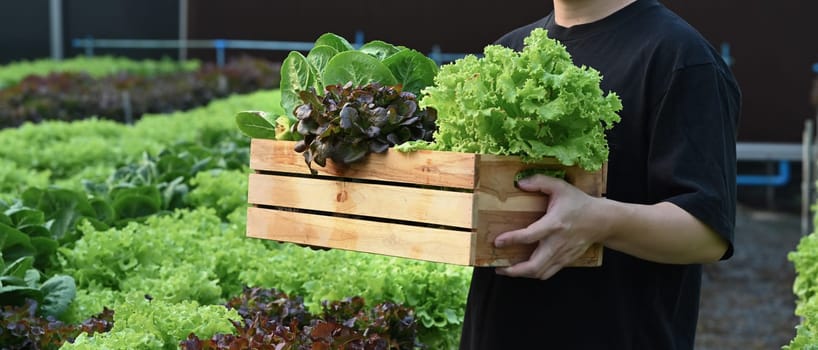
[[496, 175], [493, 223], [516, 200], [412, 242], [392, 202], [496, 190], [447, 169]]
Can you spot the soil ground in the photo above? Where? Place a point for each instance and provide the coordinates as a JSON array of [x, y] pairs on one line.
[[747, 301]]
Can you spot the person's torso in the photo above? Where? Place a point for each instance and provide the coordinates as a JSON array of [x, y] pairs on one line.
[[628, 303]]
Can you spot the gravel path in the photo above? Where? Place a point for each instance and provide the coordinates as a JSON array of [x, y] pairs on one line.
[[747, 301]]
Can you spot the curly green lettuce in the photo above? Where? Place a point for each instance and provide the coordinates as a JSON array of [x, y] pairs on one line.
[[141, 323], [534, 104]]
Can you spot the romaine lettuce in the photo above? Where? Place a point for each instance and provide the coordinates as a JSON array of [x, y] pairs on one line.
[[333, 60]]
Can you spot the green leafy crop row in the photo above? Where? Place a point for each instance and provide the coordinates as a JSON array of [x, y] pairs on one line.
[[127, 97], [194, 256], [805, 260], [140, 323], [36, 218], [98, 66], [66, 152]]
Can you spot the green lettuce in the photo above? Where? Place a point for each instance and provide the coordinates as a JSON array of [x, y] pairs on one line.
[[358, 68], [333, 60], [19, 281], [141, 323], [805, 261], [534, 104]]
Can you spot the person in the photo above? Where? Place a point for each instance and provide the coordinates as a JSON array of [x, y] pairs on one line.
[[670, 201]]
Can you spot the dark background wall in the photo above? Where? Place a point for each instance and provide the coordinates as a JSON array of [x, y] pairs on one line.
[[457, 26], [774, 47], [25, 26], [24, 30], [121, 19]]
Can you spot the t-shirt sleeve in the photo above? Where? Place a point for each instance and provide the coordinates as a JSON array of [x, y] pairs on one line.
[[692, 151]]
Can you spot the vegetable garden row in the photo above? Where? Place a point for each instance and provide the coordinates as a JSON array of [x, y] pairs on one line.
[[148, 220], [134, 88], [132, 236]]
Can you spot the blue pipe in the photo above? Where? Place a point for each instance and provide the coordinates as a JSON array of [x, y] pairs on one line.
[[359, 39], [780, 179], [89, 48], [219, 45], [725, 54]]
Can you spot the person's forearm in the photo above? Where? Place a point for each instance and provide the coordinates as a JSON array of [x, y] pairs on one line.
[[661, 233]]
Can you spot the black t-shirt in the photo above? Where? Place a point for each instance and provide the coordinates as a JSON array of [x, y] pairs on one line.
[[676, 143]]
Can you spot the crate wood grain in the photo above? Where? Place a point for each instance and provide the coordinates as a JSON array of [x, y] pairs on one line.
[[429, 205]]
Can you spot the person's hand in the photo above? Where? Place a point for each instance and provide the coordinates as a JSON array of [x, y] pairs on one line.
[[562, 235]]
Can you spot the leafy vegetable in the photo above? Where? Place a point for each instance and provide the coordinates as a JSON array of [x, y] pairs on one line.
[[334, 41], [412, 70], [19, 281], [256, 124], [285, 128], [21, 327], [142, 323], [273, 320], [535, 104], [805, 288], [14, 179], [159, 184], [357, 68], [63, 208], [224, 191], [349, 122], [379, 49], [14, 243], [58, 292], [297, 74], [320, 55], [137, 258], [333, 61], [36, 225]]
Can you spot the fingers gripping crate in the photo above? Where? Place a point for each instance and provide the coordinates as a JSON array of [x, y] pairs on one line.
[[429, 205]]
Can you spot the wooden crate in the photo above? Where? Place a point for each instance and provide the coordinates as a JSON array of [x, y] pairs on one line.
[[437, 206]]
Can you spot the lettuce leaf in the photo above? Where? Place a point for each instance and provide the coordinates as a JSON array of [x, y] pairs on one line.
[[297, 74], [379, 49], [334, 41], [358, 68], [412, 69], [320, 55], [534, 104]]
